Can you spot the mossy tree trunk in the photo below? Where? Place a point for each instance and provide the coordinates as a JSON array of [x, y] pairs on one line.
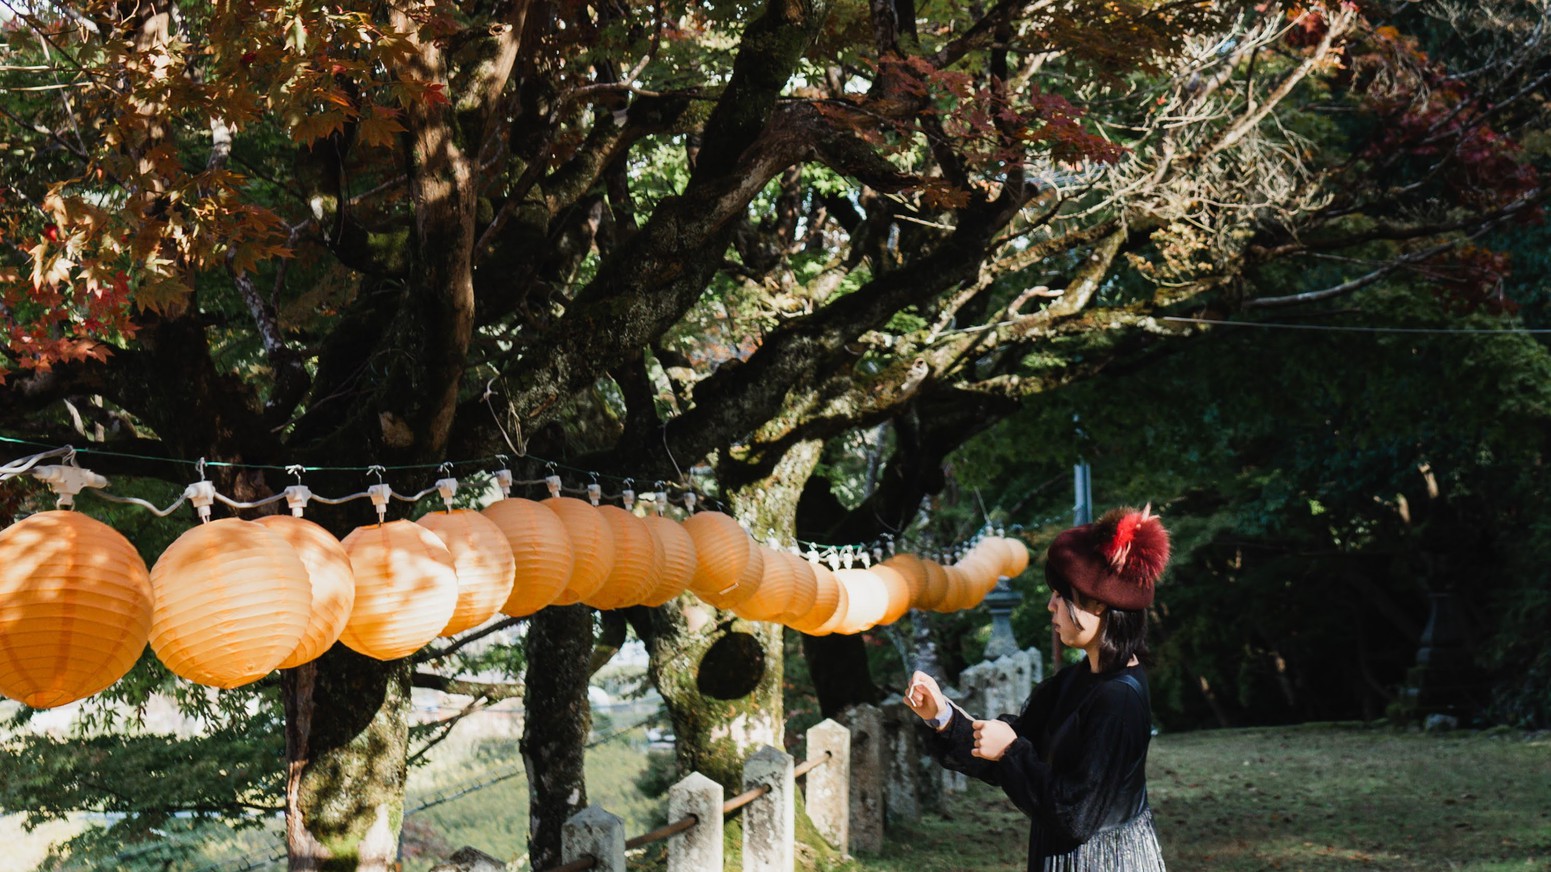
[[714, 735], [559, 718], [347, 732]]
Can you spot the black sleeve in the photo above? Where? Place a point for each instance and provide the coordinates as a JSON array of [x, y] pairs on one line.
[[1073, 793], [952, 746]]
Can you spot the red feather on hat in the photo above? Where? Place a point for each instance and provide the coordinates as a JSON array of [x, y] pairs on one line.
[[1138, 547]]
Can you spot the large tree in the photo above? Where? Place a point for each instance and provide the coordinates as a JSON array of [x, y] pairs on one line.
[[640, 238]]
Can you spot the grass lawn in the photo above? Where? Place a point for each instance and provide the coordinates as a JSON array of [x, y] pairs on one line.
[[1316, 797], [1324, 798]]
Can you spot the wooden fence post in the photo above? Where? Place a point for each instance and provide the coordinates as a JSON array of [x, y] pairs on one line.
[[829, 784], [770, 822], [594, 831], [698, 848]]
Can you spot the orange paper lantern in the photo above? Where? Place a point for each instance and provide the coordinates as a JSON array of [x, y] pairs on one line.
[[936, 586], [484, 563], [333, 584], [826, 600], [1018, 559], [913, 571], [233, 601], [804, 587], [980, 572], [898, 590], [636, 557], [773, 595], [842, 604], [406, 589], [959, 590], [747, 585], [75, 608], [592, 548], [724, 556], [541, 553], [678, 559], [867, 599]]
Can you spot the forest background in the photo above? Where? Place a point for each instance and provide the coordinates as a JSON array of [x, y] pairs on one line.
[[848, 269]]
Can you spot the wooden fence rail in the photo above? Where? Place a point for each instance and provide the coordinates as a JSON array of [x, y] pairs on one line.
[[593, 839]]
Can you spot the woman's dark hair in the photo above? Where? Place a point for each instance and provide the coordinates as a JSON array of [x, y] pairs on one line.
[[1124, 634]]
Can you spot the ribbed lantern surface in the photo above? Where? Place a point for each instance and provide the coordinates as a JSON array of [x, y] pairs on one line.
[[1018, 557], [484, 563], [723, 554], [982, 573], [936, 589], [678, 559], [592, 547], [636, 559], [333, 584], [898, 591], [867, 599], [913, 571], [75, 608], [826, 600], [805, 588], [959, 590], [842, 607], [406, 589], [232, 603], [774, 592], [541, 553]]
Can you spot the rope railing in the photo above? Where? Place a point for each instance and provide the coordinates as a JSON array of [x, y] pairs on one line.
[[688, 822]]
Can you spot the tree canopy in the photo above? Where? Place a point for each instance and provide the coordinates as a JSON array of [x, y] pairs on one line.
[[696, 243]]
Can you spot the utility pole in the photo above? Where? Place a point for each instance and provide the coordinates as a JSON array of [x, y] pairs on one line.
[[1082, 513]]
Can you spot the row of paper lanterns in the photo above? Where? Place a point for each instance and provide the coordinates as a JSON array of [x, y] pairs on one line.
[[231, 600]]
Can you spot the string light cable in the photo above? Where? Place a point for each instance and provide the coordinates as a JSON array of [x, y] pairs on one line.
[[69, 479]]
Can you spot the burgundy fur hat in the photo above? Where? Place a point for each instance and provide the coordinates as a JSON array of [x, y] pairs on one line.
[[1115, 560]]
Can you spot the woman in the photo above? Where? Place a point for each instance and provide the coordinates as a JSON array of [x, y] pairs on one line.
[[1075, 759]]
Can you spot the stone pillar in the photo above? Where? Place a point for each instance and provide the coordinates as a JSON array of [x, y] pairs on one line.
[[470, 860], [829, 784], [1006, 680], [700, 847], [594, 831], [1000, 602], [867, 741], [770, 822], [901, 787], [954, 782]]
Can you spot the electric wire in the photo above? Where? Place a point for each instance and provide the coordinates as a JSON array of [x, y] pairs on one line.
[[1340, 328]]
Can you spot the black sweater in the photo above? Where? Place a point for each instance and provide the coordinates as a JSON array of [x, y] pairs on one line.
[[1079, 763]]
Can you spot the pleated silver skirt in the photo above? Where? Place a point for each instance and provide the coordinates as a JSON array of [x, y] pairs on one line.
[[1128, 847]]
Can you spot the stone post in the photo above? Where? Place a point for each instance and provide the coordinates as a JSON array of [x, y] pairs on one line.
[[902, 790], [470, 860], [594, 831], [700, 847], [829, 784], [867, 741], [770, 822], [1000, 602], [1006, 680]]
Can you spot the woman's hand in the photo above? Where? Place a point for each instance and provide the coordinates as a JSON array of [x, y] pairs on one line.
[[924, 697], [992, 739]]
